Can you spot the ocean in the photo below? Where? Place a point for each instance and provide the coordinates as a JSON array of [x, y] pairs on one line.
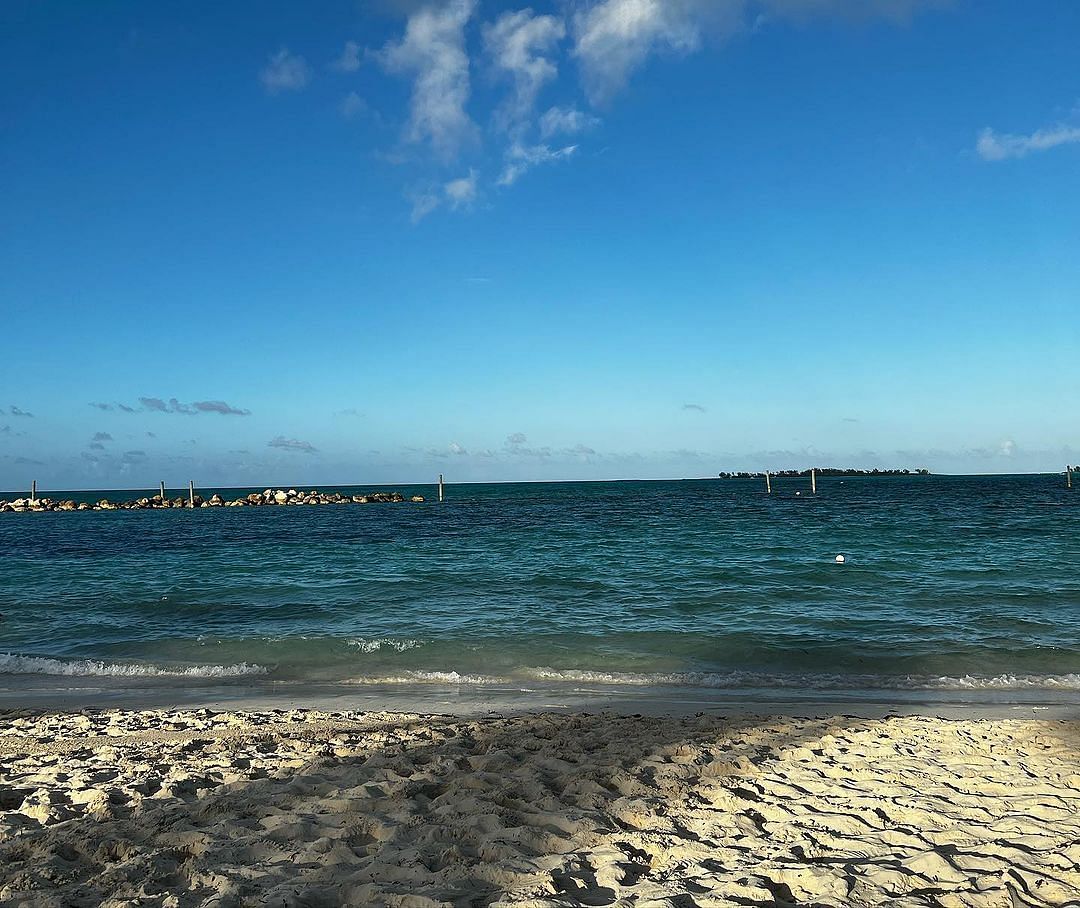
[[955, 588]]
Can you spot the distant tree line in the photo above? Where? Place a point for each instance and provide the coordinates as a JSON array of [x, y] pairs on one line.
[[824, 471]]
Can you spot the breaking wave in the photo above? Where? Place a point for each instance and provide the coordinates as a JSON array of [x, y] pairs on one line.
[[35, 665]]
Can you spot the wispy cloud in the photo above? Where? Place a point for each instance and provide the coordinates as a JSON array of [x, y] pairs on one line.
[[459, 193], [565, 121], [102, 406], [525, 51], [292, 444], [520, 159], [349, 61], [17, 411], [996, 146], [612, 38], [697, 408], [102, 436], [433, 52], [285, 72], [520, 45], [352, 105]]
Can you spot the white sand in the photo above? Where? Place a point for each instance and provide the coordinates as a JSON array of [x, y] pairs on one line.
[[304, 808]]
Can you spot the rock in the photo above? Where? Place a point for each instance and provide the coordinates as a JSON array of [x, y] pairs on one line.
[[417, 498], [216, 501], [281, 497]]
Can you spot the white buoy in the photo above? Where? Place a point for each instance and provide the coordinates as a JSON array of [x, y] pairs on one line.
[[840, 559]]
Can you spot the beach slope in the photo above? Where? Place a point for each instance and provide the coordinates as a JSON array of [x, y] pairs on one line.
[[311, 808]]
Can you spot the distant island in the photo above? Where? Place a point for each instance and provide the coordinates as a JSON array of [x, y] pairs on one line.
[[824, 471]]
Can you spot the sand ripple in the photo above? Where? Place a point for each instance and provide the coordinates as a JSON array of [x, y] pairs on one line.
[[305, 808]]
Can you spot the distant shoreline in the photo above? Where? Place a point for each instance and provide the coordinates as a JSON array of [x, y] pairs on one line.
[[144, 490]]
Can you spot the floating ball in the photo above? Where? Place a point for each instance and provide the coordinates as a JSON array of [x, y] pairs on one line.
[[840, 559]]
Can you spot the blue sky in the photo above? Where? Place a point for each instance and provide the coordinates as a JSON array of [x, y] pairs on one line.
[[372, 242]]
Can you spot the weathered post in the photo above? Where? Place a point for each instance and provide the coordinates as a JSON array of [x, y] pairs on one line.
[[191, 493], [1068, 476], [163, 490], [440, 487], [813, 481], [768, 484], [33, 490]]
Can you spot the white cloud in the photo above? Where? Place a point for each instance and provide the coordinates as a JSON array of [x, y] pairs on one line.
[[433, 51], [614, 37], [352, 105], [349, 61], [285, 72], [565, 121], [520, 44], [423, 203], [461, 191], [522, 158], [996, 146]]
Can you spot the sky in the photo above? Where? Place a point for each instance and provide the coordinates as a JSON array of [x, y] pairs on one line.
[[371, 242]]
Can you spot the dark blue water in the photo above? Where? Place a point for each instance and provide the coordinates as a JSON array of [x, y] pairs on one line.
[[949, 583]]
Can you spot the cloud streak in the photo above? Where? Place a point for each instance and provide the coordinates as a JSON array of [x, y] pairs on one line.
[[157, 405], [292, 444], [996, 146]]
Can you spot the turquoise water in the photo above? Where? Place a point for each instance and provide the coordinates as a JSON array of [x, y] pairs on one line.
[[950, 583]]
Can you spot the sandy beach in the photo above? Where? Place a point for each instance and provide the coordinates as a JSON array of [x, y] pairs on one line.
[[297, 807]]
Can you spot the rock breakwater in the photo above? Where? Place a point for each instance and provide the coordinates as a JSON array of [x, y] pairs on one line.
[[268, 498]]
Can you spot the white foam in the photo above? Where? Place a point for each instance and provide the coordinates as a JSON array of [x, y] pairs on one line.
[[375, 644], [739, 679], [11, 664], [450, 677]]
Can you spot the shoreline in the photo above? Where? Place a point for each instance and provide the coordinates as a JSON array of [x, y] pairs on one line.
[[465, 699], [300, 807]]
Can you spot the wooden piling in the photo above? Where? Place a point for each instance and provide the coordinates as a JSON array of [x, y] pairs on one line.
[[163, 490], [1068, 476], [441, 496], [768, 484], [33, 490], [813, 481], [191, 493]]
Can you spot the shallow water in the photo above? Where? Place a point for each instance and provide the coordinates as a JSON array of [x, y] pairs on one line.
[[949, 584]]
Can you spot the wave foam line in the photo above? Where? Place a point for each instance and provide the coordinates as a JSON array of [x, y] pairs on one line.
[[419, 677], [739, 680], [814, 682], [11, 664]]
